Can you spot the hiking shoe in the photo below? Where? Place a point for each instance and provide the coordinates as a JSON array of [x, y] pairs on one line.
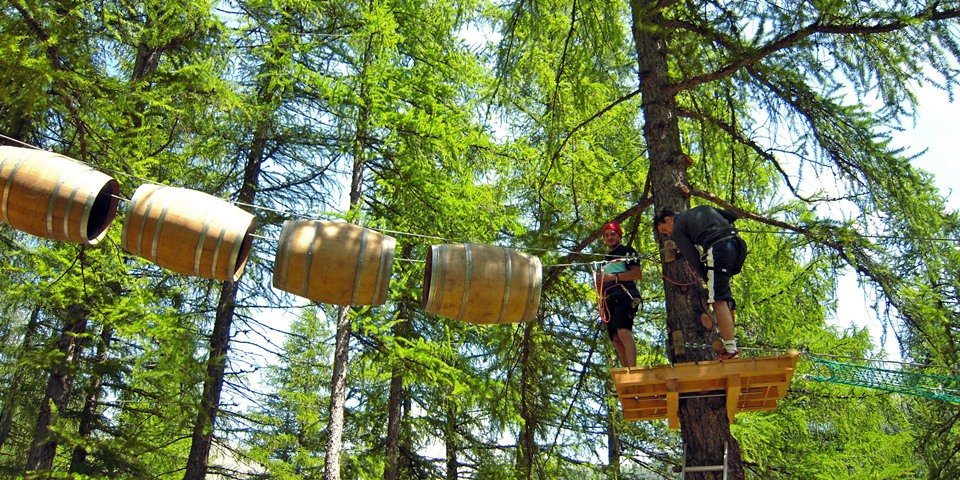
[[725, 355]]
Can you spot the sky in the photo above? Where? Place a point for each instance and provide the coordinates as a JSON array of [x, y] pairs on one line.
[[934, 130]]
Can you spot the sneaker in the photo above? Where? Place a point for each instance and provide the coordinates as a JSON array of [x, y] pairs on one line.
[[725, 355]]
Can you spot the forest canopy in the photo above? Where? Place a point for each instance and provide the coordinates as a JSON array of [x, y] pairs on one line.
[[525, 125]]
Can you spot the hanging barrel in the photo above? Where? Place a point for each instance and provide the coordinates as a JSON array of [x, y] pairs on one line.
[[482, 283], [188, 232], [334, 262], [55, 197]]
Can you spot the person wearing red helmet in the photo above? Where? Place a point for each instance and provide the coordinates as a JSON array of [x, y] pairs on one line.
[[620, 297]]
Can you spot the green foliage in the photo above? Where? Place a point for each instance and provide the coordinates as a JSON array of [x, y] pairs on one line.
[[530, 140]]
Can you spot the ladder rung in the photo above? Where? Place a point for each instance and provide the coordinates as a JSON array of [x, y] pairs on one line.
[[704, 468]]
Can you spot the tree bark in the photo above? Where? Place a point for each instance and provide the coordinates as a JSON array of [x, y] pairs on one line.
[[43, 449], [338, 387], [401, 329], [394, 416], [203, 427], [703, 421], [528, 410], [338, 393], [451, 446], [613, 439]]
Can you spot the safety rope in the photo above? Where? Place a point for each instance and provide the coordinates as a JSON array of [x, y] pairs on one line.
[[597, 270]]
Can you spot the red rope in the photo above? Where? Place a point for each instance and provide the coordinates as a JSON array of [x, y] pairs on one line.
[[678, 284], [600, 300]]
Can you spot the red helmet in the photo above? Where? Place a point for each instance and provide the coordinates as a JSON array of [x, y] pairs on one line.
[[615, 226]]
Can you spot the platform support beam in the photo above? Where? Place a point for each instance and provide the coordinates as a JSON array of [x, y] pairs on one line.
[[746, 384], [673, 403], [733, 395]]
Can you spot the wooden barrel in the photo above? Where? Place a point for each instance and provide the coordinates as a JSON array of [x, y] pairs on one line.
[[482, 283], [188, 232], [334, 262], [55, 197]]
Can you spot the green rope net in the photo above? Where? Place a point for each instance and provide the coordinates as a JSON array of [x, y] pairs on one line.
[[939, 387]]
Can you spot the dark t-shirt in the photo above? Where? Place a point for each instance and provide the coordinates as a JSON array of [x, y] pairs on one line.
[[700, 226], [619, 264]]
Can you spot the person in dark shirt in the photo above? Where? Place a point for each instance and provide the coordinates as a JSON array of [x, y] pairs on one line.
[[620, 297], [710, 244]]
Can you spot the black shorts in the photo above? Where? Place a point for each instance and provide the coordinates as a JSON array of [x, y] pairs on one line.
[[619, 312], [724, 259]]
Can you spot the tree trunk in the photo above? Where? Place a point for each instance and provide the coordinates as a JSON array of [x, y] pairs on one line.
[[338, 393], [43, 449], [88, 417], [528, 410], [450, 440], [203, 427], [13, 394], [394, 412], [613, 439], [703, 421], [401, 329], [338, 387]]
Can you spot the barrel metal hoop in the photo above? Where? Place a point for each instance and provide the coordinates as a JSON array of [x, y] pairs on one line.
[[361, 258], [508, 272], [435, 295], [280, 269], [468, 260], [68, 210], [143, 224], [216, 255], [198, 252], [161, 219], [534, 288], [52, 206], [383, 274], [7, 187]]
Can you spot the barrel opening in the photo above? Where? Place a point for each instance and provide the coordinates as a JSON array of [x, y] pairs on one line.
[[428, 270], [103, 210], [244, 253]]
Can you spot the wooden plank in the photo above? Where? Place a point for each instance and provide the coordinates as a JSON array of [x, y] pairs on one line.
[[673, 403], [703, 370], [753, 384], [733, 396]]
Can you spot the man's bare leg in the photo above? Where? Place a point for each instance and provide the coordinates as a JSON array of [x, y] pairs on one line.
[[725, 323], [629, 357], [618, 346], [724, 319]]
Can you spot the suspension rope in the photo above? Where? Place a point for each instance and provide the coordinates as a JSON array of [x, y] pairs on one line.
[[938, 387]]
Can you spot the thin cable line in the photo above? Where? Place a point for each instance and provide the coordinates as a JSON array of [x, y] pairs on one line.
[[341, 215], [20, 142], [410, 260], [861, 235]]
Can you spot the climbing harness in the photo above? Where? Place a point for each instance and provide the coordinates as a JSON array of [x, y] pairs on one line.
[[597, 270]]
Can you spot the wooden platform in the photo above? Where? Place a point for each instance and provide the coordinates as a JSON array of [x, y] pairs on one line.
[[749, 384]]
